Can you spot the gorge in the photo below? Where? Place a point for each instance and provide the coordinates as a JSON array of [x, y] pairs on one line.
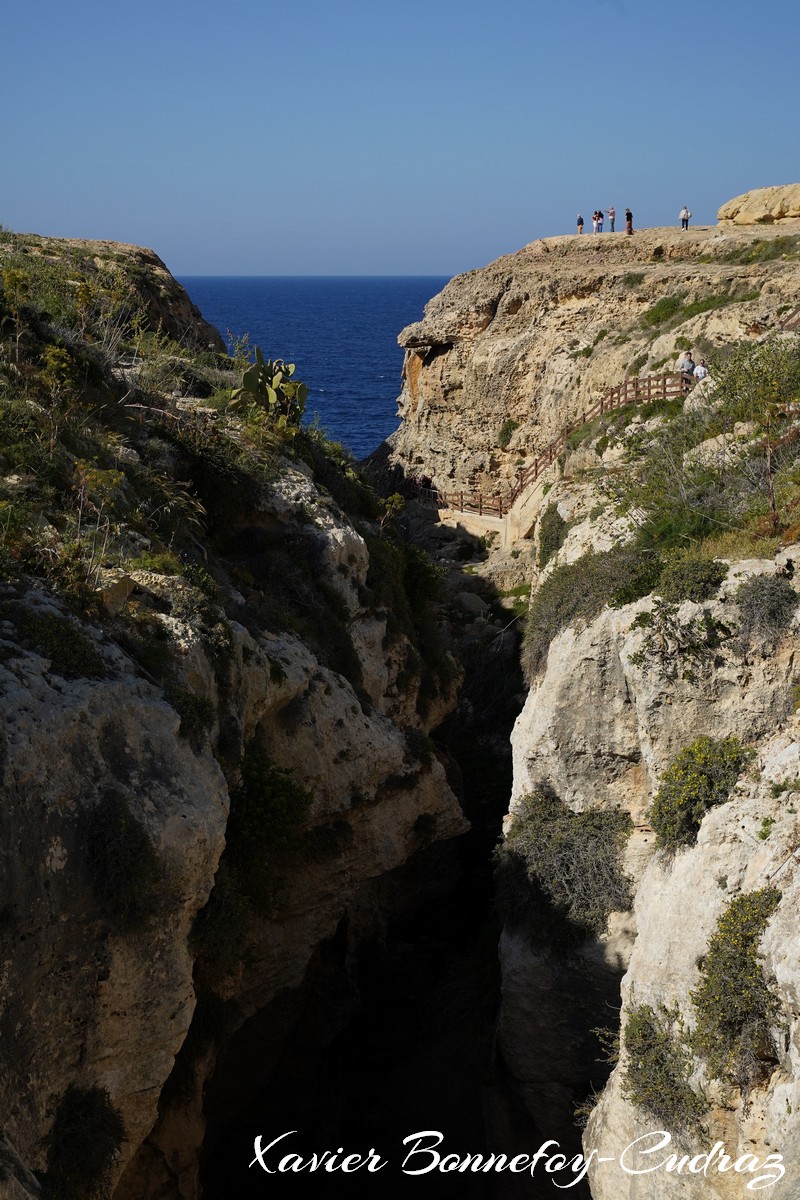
[[262, 730]]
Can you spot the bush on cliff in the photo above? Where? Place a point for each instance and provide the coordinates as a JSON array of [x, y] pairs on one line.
[[268, 810], [552, 534], [767, 604], [86, 1136], [507, 430], [559, 874], [701, 776], [735, 1011], [694, 579], [125, 871], [658, 1067], [578, 591]]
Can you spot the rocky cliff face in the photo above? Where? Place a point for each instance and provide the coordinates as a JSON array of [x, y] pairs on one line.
[[502, 360], [507, 355], [600, 731], [195, 638], [610, 709]]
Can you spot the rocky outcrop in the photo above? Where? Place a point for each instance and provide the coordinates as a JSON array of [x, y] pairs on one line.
[[763, 206], [732, 857], [600, 726], [81, 997], [136, 275], [87, 998], [505, 356], [256, 619]]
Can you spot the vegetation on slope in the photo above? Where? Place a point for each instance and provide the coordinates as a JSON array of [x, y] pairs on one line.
[[559, 873], [123, 451], [719, 481]]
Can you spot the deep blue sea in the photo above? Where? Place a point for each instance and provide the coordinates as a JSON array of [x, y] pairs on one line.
[[339, 331]]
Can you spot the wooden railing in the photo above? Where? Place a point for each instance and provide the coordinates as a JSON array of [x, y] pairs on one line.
[[632, 391], [792, 320]]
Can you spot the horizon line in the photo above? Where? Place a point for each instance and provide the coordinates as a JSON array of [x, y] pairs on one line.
[[321, 275]]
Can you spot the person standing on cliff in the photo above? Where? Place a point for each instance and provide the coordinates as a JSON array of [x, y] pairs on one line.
[[600, 216], [687, 369], [580, 223], [628, 221], [594, 221], [612, 216], [684, 215]]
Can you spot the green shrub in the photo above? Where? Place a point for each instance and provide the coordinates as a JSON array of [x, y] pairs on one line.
[[579, 590], [552, 534], [559, 874], [701, 776], [162, 562], [196, 712], [691, 579], [658, 1067], [268, 810], [767, 604], [506, 432], [124, 869], [220, 931], [663, 310], [708, 304], [72, 654], [735, 1012], [82, 1145], [764, 250], [632, 279]]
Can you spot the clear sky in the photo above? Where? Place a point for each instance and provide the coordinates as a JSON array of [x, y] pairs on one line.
[[375, 137]]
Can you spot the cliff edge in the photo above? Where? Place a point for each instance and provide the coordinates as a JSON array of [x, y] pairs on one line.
[[507, 355]]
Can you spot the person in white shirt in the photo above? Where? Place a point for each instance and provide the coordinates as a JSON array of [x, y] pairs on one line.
[[701, 370], [684, 215]]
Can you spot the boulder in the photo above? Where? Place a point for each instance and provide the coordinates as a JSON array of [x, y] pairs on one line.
[[763, 206]]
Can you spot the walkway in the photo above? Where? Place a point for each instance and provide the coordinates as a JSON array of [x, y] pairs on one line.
[[508, 513]]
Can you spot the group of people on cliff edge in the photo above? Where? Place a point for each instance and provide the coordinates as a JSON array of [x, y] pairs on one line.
[[598, 216], [599, 213]]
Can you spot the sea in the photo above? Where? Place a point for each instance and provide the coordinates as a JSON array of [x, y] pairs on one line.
[[339, 331]]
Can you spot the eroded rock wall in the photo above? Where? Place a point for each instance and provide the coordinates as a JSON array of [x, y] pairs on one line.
[[86, 1001], [538, 336], [599, 727]]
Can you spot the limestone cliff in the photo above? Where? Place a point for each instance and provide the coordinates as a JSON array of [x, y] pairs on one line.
[[619, 691], [507, 355], [217, 688], [505, 358]]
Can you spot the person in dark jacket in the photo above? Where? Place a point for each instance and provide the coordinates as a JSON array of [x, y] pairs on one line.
[[628, 221]]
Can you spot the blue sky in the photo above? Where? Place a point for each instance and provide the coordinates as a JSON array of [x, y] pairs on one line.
[[373, 137]]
